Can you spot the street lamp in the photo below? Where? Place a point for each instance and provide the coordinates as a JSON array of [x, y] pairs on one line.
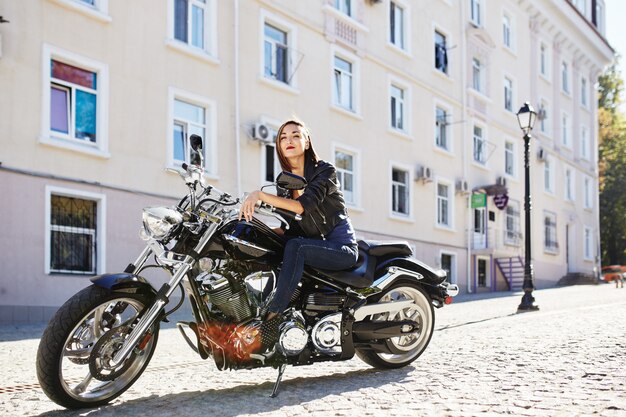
[[526, 117]]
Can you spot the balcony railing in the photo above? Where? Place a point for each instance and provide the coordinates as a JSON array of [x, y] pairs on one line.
[[495, 239]]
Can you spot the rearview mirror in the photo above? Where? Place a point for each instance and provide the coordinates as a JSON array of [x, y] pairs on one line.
[[290, 181]]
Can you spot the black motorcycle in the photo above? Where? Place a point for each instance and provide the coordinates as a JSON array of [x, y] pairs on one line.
[[101, 340]]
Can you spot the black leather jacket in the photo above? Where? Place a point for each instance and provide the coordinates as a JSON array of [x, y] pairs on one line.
[[322, 200]]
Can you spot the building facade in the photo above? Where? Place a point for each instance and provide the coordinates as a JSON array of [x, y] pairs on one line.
[[413, 101]]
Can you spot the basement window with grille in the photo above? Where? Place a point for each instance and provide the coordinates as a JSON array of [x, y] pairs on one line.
[[73, 240]]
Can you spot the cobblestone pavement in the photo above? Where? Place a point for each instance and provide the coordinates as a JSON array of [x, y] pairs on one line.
[[568, 359]]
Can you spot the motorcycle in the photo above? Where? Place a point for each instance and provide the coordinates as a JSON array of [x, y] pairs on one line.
[[102, 339]]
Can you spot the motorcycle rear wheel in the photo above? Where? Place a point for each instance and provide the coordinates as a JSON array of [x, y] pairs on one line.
[[411, 345], [93, 318]]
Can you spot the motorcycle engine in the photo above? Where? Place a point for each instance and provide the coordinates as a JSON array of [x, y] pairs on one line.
[[220, 293]]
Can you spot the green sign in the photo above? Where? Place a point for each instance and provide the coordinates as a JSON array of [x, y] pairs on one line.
[[479, 200]]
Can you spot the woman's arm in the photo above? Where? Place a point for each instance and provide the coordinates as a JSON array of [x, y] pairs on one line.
[[247, 207]]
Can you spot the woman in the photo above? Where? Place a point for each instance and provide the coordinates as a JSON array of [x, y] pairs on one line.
[[324, 238]]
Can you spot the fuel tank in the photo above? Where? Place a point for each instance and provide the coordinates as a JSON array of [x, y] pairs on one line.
[[253, 240]]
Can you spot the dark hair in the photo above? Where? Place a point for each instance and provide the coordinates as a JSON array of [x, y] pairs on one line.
[[309, 154]]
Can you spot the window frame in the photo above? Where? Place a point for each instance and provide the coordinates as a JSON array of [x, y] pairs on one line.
[[584, 92], [349, 13], [446, 37], [585, 149], [99, 11], [513, 236], [476, 12], [543, 125], [549, 245], [101, 228], [406, 26], [452, 278], [511, 45], [510, 153], [566, 130], [544, 59], [396, 214], [209, 141], [449, 131], [480, 80], [549, 169], [356, 172], [449, 199], [511, 89], [569, 186], [336, 52], [565, 78], [49, 137], [588, 192], [588, 243], [483, 137], [291, 31], [209, 53], [405, 87]]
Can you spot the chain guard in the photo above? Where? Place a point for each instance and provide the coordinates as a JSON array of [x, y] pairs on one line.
[[104, 351]]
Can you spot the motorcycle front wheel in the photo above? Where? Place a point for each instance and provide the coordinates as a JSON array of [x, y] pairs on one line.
[[75, 352], [408, 347]]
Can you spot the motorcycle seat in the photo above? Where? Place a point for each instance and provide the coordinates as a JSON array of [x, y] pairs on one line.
[[378, 248], [361, 275]]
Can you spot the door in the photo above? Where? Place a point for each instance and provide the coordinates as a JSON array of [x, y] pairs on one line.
[[482, 273], [480, 228]]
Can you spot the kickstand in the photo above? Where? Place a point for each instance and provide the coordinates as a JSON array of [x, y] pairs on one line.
[[281, 371]]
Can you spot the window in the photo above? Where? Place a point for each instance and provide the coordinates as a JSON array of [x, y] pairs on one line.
[[448, 264], [565, 130], [509, 158], [476, 12], [508, 94], [270, 163], [543, 60], [569, 184], [345, 165], [276, 56], [397, 108], [441, 52], [599, 16], [480, 153], [588, 190], [512, 223], [397, 30], [581, 5], [477, 75], [543, 116], [343, 90], [75, 103], [442, 128], [584, 142], [444, 215], [548, 175], [565, 77], [344, 6], [191, 19], [400, 192], [191, 114], [583, 92], [506, 31], [75, 233], [550, 243], [588, 243]]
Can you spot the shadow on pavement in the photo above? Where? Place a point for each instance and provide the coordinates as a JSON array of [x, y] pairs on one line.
[[249, 398]]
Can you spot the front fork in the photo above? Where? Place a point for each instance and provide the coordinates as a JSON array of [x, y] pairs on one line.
[[163, 296]]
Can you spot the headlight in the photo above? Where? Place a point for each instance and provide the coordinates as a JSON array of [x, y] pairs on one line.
[[158, 222]]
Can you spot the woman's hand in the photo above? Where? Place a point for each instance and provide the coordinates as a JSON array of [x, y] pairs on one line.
[[247, 207]]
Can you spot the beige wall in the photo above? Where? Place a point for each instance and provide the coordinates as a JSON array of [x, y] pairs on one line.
[[131, 40]]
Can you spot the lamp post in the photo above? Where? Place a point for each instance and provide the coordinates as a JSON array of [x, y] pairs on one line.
[[526, 117]]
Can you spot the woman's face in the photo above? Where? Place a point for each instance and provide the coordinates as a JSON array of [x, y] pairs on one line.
[[293, 141]]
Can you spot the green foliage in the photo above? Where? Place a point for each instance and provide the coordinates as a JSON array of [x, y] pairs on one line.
[[612, 164]]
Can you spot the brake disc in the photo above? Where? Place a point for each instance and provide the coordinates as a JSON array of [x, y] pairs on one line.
[[104, 351]]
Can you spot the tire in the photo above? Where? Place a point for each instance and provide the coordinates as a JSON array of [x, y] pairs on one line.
[[93, 318], [414, 344]]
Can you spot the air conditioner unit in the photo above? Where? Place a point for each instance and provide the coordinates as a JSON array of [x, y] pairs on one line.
[[462, 187], [424, 173], [262, 132], [501, 181], [542, 114], [542, 154]]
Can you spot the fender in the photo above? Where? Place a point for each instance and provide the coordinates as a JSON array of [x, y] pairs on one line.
[[124, 282], [430, 276]]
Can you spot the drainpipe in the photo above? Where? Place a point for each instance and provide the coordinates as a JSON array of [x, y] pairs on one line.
[[464, 147], [237, 120]]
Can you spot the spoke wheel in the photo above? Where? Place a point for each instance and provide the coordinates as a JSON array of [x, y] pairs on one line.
[[410, 346], [76, 349]]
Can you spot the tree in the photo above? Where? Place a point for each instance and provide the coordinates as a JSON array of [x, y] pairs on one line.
[[612, 166]]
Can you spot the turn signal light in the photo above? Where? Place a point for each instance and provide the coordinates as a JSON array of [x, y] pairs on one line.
[[448, 300]]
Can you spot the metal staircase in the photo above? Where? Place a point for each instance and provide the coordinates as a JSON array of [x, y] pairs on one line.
[[513, 271]]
